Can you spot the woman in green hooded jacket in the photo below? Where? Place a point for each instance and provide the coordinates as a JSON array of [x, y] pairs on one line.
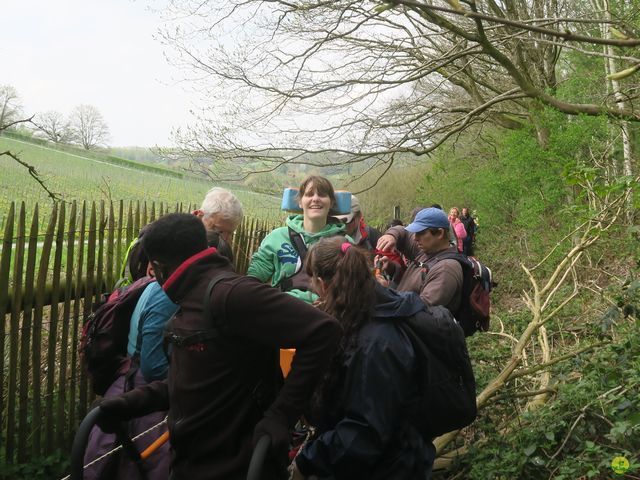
[[278, 259]]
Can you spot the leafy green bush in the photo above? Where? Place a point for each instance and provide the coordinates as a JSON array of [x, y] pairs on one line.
[[594, 417], [54, 466]]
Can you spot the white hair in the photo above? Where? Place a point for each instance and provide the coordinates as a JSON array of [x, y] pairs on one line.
[[222, 201]]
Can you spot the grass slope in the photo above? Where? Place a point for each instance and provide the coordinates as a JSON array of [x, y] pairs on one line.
[[76, 175]]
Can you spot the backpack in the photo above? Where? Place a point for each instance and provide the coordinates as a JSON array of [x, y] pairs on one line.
[[105, 334], [477, 283], [446, 384]]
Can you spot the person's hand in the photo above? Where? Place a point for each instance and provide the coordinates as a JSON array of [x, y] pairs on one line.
[[275, 426], [386, 242], [381, 262], [113, 411], [381, 265]]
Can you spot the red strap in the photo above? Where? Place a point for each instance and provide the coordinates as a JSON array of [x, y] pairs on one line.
[[391, 255]]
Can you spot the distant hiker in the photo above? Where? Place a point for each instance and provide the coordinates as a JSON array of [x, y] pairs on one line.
[[361, 407], [421, 242], [458, 228], [363, 235], [279, 258], [470, 226], [222, 388]]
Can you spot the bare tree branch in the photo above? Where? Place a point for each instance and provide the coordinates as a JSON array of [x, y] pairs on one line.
[[345, 82], [34, 174]]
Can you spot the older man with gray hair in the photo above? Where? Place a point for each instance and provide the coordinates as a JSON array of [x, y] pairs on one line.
[[221, 212]]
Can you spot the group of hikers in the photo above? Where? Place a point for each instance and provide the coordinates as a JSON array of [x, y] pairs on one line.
[[204, 342]]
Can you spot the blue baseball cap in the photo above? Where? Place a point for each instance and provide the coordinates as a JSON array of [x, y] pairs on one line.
[[428, 218]]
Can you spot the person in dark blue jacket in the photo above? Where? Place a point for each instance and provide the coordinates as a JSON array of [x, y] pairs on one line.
[[362, 406]]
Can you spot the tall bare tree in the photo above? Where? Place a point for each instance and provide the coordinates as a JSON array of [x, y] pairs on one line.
[[54, 126], [88, 127], [10, 106], [374, 81]]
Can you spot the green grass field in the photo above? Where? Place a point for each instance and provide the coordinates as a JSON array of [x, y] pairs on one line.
[[75, 176]]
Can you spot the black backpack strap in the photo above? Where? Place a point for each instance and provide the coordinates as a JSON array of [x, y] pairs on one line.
[[298, 244], [461, 258], [217, 323], [288, 283], [206, 301]]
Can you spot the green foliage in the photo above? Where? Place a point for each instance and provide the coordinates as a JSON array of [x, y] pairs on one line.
[[55, 465], [595, 417]]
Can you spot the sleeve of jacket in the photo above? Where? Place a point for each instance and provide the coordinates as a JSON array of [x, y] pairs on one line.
[[262, 264], [405, 243], [377, 383], [153, 397], [153, 361], [272, 318]]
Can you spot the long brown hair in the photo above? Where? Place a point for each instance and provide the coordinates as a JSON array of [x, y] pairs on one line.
[[349, 295], [348, 279]]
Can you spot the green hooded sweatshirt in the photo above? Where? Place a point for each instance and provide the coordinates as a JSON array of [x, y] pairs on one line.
[[277, 258]]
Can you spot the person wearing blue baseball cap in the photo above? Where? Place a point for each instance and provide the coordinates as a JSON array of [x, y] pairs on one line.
[[425, 244]]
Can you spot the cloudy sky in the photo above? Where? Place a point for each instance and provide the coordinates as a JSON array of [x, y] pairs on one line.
[[68, 52]]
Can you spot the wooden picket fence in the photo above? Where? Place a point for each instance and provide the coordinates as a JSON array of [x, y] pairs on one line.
[[49, 281]]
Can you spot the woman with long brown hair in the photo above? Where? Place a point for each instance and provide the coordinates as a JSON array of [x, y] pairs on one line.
[[278, 259], [362, 407]]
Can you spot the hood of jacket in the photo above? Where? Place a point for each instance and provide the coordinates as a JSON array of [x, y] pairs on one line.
[[296, 223], [181, 281], [392, 304]]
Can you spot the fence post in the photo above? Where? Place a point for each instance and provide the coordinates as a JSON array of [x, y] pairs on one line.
[[100, 257], [5, 270], [110, 237], [76, 320], [25, 341], [119, 242], [14, 335], [90, 288], [66, 319]]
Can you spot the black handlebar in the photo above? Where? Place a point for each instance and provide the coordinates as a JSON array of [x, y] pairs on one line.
[[82, 437], [258, 458]]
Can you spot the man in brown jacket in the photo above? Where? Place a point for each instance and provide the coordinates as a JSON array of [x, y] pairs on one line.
[[222, 388], [438, 281]]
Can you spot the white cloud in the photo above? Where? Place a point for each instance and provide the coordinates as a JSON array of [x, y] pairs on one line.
[[64, 53]]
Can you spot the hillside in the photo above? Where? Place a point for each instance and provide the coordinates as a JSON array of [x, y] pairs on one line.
[[78, 175]]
